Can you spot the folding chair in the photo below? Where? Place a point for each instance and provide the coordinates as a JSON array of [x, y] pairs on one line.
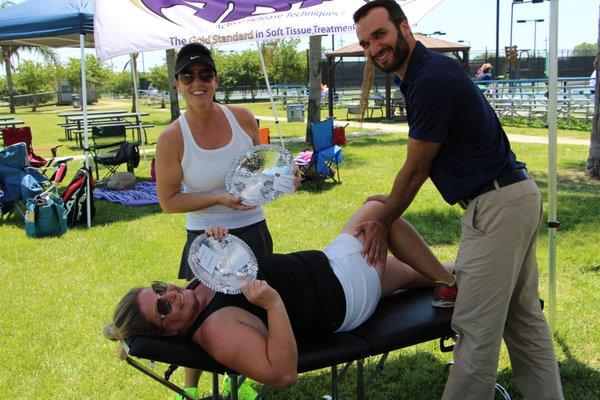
[[18, 180], [111, 149], [325, 153], [11, 136]]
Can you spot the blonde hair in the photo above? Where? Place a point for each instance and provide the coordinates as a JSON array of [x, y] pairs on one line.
[[128, 319], [365, 89]]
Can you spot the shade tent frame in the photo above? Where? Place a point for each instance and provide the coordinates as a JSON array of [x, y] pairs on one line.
[[54, 24], [354, 50]]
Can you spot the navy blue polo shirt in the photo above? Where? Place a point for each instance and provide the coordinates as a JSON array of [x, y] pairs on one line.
[[444, 105]]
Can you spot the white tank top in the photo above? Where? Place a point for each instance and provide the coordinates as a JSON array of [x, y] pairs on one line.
[[204, 173]]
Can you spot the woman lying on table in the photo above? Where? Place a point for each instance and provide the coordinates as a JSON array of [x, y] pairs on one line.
[[308, 292]]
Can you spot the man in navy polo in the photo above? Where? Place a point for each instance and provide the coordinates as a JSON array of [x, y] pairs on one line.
[[456, 140]]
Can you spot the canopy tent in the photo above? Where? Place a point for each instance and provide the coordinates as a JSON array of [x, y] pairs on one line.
[[56, 23], [142, 25], [461, 52]]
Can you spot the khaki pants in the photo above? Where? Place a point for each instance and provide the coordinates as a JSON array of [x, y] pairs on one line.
[[497, 276]]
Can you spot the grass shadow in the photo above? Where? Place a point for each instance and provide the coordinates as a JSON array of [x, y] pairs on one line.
[[437, 227], [367, 141], [397, 381], [579, 381], [578, 199]]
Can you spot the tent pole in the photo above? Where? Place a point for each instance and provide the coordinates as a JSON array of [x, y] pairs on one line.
[[270, 92], [86, 150], [553, 224]]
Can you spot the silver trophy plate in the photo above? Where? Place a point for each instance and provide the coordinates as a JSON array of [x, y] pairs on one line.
[[252, 173], [223, 265]]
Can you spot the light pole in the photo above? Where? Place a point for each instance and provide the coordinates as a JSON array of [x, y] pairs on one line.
[[535, 22], [512, 4]]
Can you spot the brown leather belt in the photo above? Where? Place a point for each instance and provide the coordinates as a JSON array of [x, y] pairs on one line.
[[509, 178]]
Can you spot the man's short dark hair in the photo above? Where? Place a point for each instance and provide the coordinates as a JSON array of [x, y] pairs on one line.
[[395, 12]]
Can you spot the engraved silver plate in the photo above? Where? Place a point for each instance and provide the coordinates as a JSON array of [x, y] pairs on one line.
[[223, 265], [251, 174]]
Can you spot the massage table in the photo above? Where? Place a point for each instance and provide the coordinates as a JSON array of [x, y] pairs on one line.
[[401, 320]]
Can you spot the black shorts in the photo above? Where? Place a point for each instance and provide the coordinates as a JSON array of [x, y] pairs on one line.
[[257, 236]]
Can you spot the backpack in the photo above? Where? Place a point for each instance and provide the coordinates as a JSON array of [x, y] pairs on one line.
[[75, 196], [130, 153]]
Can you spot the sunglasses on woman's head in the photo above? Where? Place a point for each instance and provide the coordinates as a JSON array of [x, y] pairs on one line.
[[205, 75], [163, 307]]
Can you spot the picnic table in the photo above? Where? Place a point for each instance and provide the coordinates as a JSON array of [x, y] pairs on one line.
[[131, 121], [70, 126], [353, 108], [10, 122]]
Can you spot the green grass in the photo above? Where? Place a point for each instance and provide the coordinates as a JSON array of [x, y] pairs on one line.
[[59, 292]]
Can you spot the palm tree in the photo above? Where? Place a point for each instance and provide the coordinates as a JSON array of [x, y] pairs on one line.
[[10, 52], [593, 163]]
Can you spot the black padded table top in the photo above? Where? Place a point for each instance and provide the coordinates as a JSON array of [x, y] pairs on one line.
[[401, 320]]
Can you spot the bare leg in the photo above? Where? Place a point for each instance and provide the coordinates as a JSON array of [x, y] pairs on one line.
[[399, 275], [404, 243], [408, 246]]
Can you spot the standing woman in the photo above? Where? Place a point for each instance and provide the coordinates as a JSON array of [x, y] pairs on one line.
[[192, 156]]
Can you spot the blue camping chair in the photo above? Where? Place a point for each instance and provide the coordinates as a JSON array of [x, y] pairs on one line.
[[18, 180], [325, 153]]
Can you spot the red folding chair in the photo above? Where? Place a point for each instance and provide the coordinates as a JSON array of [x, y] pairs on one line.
[[17, 135], [11, 136]]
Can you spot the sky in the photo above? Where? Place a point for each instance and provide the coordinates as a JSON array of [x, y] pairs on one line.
[[473, 21]]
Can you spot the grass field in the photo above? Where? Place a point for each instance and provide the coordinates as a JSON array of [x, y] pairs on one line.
[[59, 292]]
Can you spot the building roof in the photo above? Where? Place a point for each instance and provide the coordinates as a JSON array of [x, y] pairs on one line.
[[442, 46]]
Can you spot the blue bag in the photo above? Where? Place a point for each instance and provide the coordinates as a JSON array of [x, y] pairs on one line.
[[45, 216]]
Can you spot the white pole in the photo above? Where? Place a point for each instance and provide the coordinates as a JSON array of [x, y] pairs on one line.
[[86, 150], [552, 127], [270, 92]]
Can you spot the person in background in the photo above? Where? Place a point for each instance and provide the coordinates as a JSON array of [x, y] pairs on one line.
[[192, 156], [485, 72], [456, 139]]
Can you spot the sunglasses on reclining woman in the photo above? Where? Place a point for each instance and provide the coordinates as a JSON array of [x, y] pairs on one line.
[[205, 75], [163, 307]]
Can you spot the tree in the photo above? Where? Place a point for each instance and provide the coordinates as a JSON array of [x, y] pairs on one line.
[[95, 71], [3, 88], [593, 162], [159, 77], [288, 65], [10, 52], [35, 77], [584, 49], [245, 66], [171, 56], [119, 84], [227, 77]]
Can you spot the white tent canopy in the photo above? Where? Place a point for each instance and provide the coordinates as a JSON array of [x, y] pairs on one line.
[[141, 25]]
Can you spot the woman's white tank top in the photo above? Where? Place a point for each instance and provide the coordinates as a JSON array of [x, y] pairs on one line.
[[204, 173]]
